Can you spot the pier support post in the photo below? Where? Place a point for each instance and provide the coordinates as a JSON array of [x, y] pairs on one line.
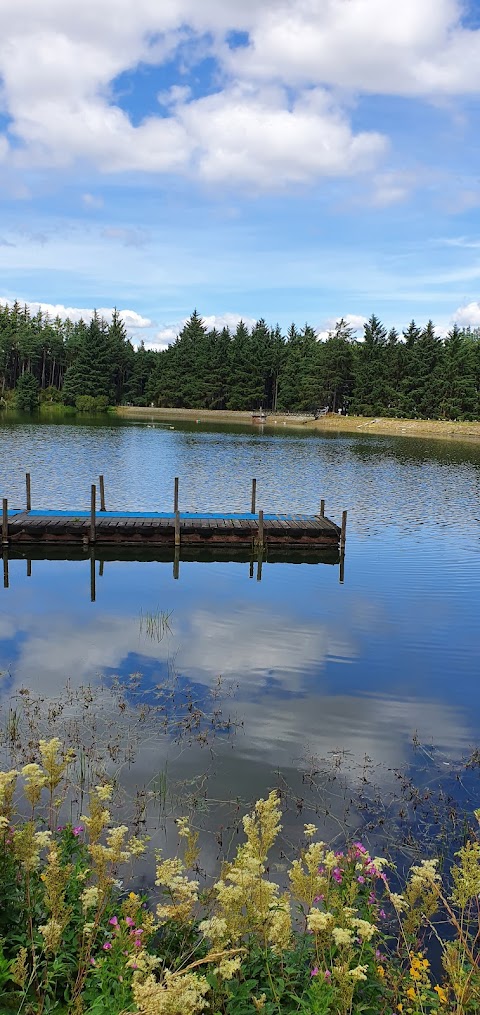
[[29, 567], [177, 528], [28, 486], [5, 521], [93, 520], [5, 569], [259, 564], [260, 529], [254, 496], [101, 565], [176, 563], [322, 509], [175, 495], [343, 531], [102, 493]]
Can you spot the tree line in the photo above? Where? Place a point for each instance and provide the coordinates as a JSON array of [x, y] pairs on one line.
[[92, 365]]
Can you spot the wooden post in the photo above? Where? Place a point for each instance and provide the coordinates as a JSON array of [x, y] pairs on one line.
[[175, 495], [254, 495], [92, 576], [251, 565], [102, 494], [343, 530], [93, 497], [101, 565], [176, 563], [5, 569], [5, 522], [342, 568], [259, 565], [322, 509], [29, 567], [29, 491], [177, 528], [260, 528]]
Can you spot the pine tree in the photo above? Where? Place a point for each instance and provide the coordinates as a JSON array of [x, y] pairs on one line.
[[92, 371]]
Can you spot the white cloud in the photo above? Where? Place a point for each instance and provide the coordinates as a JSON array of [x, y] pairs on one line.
[[468, 316], [355, 321], [132, 320], [170, 332]]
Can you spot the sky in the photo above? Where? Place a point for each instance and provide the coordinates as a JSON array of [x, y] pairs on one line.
[[297, 160]]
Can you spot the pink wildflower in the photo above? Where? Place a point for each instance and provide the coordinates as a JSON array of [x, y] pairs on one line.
[[114, 921], [382, 914], [137, 943], [92, 961], [106, 946], [130, 922], [372, 898], [314, 971], [361, 880], [77, 830], [327, 975], [337, 875], [319, 898]]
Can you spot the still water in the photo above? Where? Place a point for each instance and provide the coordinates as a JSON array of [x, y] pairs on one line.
[[279, 673]]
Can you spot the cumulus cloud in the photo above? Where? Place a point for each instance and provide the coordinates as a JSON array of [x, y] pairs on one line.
[[63, 108], [133, 321], [355, 321], [166, 335], [92, 201], [468, 316]]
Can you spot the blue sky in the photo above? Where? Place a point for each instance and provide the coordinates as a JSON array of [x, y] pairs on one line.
[[293, 159]]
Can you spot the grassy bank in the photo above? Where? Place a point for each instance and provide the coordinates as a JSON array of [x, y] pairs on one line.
[[435, 428]]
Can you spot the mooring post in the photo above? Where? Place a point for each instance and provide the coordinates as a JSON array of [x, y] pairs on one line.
[[322, 509], [29, 567], [254, 495], [260, 528], [102, 494], [343, 530], [175, 495], [176, 563], [5, 522], [101, 565], [177, 528], [93, 498], [251, 565], [5, 569], [29, 491], [92, 576], [259, 565]]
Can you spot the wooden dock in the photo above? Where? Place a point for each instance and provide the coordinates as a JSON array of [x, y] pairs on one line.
[[163, 528]]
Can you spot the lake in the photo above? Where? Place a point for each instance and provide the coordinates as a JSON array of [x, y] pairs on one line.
[[236, 685]]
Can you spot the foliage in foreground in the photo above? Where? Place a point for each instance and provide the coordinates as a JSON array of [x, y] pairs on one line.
[[334, 940]]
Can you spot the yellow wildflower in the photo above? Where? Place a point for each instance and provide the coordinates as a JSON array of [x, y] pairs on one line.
[[442, 994], [381, 972], [309, 831], [341, 936], [104, 793], [411, 993]]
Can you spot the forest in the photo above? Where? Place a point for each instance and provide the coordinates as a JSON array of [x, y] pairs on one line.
[[93, 365]]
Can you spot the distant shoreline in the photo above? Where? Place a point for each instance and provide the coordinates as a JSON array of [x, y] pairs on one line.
[[434, 428]]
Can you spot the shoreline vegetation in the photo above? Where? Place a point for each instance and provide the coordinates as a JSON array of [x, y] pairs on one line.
[[335, 931], [333, 422]]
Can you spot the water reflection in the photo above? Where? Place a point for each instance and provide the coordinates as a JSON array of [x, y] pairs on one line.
[[97, 558]]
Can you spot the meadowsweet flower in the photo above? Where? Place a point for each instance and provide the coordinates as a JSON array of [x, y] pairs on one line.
[[174, 993], [309, 831], [52, 935], [89, 898], [364, 929], [358, 973], [341, 936], [318, 921], [104, 793], [228, 967]]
